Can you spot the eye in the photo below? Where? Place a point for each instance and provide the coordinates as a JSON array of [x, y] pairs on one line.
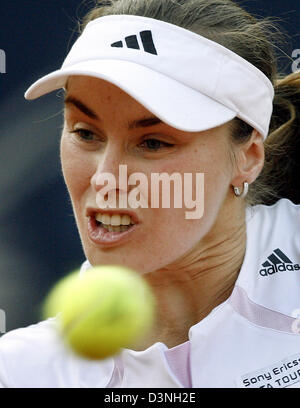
[[155, 144], [84, 135]]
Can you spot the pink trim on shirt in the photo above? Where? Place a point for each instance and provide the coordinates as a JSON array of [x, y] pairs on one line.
[[260, 315]]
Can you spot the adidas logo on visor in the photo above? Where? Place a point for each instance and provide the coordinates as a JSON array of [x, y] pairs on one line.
[[132, 42], [278, 262]]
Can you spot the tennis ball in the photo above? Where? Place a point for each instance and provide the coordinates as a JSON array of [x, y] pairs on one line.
[[104, 309]]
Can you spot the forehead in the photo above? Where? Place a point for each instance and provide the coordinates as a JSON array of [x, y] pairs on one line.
[[95, 97], [100, 98], [101, 93]]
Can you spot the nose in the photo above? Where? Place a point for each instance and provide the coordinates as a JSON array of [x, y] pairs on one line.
[[110, 176]]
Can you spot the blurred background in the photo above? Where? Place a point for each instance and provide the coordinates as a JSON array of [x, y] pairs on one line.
[[39, 242]]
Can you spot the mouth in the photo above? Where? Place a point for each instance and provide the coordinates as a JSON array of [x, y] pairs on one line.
[[109, 229]]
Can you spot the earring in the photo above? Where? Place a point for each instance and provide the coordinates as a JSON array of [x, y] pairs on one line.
[[245, 190]]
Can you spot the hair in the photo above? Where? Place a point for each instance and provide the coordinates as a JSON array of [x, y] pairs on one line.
[[228, 24]]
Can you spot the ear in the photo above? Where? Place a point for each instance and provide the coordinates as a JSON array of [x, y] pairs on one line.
[[250, 159]]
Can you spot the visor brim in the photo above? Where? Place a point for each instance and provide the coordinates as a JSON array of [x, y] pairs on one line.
[[175, 104]]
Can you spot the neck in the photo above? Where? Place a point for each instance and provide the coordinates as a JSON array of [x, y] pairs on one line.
[[200, 281]]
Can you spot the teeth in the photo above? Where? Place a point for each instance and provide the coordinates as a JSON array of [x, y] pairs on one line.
[[105, 219], [115, 220], [119, 228], [112, 228], [98, 217], [126, 220]]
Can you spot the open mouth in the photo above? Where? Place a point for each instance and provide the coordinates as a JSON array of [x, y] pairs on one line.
[[106, 228]]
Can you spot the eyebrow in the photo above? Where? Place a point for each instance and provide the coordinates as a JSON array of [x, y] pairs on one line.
[[143, 122]]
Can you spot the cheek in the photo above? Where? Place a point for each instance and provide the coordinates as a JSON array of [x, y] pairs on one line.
[[207, 196], [77, 170], [214, 173], [175, 233]]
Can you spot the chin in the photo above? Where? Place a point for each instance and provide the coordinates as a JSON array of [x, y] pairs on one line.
[[111, 256]]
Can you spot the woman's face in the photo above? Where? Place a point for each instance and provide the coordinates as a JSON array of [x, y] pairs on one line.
[[105, 141]]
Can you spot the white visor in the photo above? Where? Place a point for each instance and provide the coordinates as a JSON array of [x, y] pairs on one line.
[[189, 82]]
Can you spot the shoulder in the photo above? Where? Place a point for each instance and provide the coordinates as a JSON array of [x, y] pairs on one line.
[[279, 223], [35, 356], [270, 273], [283, 211]]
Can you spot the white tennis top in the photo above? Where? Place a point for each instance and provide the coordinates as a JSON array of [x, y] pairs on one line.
[[250, 340]]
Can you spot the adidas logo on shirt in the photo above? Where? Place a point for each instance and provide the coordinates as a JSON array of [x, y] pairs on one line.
[[278, 262], [132, 42]]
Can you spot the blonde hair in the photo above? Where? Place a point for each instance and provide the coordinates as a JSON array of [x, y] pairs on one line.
[[225, 22]]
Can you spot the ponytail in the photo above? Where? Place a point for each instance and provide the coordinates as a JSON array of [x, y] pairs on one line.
[[282, 147]]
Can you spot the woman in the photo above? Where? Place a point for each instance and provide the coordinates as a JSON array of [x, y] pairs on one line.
[[166, 86]]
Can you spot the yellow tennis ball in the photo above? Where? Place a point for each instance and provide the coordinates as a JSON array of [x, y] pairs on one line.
[[104, 309]]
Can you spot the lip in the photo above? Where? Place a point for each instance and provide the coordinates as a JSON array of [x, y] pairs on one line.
[[108, 238]]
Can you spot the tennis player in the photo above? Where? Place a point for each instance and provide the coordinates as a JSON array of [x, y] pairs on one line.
[[165, 86]]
